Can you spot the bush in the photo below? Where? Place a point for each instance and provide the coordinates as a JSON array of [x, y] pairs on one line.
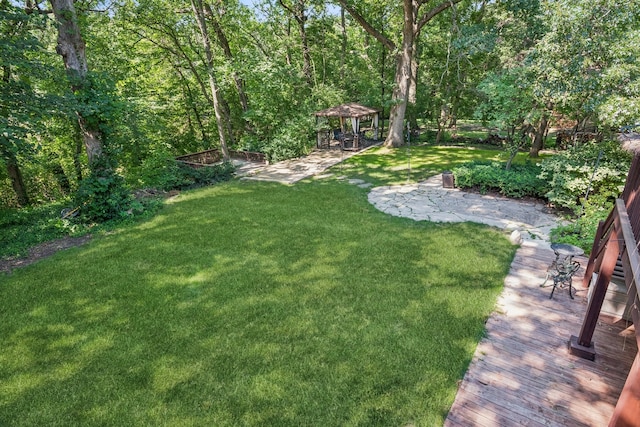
[[521, 180], [582, 232], [159, 170], [162, 171], [294, 139], [189, 177], [26, 227], [103, 195], [569, 173]]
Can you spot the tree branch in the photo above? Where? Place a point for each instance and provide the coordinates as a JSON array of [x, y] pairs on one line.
[[296, 14], [386, 42], [428, 16]]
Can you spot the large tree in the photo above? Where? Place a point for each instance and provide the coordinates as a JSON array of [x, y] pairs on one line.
[[199, 8], [415, 17], [71, 47]]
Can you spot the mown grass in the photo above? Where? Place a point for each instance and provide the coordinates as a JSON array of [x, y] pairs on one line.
[[383, 166], [251, 304]]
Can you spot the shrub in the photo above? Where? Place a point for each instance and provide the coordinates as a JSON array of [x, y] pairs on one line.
[[583, 230], [294, 139], [26, 227], [103, 195], [569, 173], [521, 180], [159, 170], [162, 171], [189, 177]]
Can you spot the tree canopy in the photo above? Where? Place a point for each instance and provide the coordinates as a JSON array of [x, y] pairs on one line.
[[138, 80]]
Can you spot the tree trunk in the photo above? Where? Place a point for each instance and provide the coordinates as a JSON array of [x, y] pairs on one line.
[[15, 175], [538, 140], [71, 47], [402, 79], [198, 10], [226, 48], [412, 25], [343, 46]]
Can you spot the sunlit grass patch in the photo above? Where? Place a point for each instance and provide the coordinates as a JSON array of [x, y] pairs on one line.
[[251, 303], [384, 166]]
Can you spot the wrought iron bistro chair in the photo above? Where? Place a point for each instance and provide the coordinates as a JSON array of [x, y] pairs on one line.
[[563, 267]]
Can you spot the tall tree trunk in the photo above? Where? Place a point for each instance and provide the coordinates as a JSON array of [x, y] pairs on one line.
[[383, 63], [13, 169], [15, 175], [71, 47], [343, 45], [402, 79], [226, 48], [198, 10], [412, 25]]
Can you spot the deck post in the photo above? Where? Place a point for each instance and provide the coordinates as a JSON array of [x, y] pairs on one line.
[[581, 345]]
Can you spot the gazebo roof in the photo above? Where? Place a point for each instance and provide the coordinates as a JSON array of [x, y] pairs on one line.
[[347, 110]]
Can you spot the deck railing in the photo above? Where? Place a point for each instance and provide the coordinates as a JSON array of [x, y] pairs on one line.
[[616, 239]]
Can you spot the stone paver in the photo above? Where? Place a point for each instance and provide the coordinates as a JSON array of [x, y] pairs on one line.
[[429, 201], [294, 170]]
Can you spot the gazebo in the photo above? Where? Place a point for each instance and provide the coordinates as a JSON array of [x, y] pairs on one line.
[[356, 113]]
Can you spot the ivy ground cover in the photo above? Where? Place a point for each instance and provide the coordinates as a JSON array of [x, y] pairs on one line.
[[251, 304]]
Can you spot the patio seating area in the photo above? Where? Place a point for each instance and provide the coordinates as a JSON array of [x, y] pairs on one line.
[[522, 372]]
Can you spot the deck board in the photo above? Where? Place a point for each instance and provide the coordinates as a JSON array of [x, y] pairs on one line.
[[522, 372]]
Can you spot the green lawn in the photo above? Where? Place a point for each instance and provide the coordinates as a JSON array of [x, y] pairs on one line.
[[382, 166], [251, 304]]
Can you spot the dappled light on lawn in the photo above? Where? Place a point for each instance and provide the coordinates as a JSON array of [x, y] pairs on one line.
[[251, 303]]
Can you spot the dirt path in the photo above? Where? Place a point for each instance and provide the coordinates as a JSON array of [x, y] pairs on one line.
[[41, 251]]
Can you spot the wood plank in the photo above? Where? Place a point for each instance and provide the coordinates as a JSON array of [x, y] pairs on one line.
[[522, 372]]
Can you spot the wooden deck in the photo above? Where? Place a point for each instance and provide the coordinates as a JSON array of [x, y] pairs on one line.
[[522, 372]]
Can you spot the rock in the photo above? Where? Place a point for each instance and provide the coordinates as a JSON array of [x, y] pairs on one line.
[[515, 237]]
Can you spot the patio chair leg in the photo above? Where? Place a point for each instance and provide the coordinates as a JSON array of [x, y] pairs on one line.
[[555, 283], [570, 289]]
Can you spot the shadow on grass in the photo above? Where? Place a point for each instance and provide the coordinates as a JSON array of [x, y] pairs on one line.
[[251, 303]]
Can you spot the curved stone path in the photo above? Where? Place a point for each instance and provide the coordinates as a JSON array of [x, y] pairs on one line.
[[428, 200]]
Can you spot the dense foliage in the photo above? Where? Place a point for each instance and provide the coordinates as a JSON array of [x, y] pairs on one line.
[[521, 180], [151, 73], [161, 171], [583, 181], [586, 179], [594, 170]]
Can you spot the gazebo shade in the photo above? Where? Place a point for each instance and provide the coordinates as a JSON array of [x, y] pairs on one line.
[[348, 110]]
